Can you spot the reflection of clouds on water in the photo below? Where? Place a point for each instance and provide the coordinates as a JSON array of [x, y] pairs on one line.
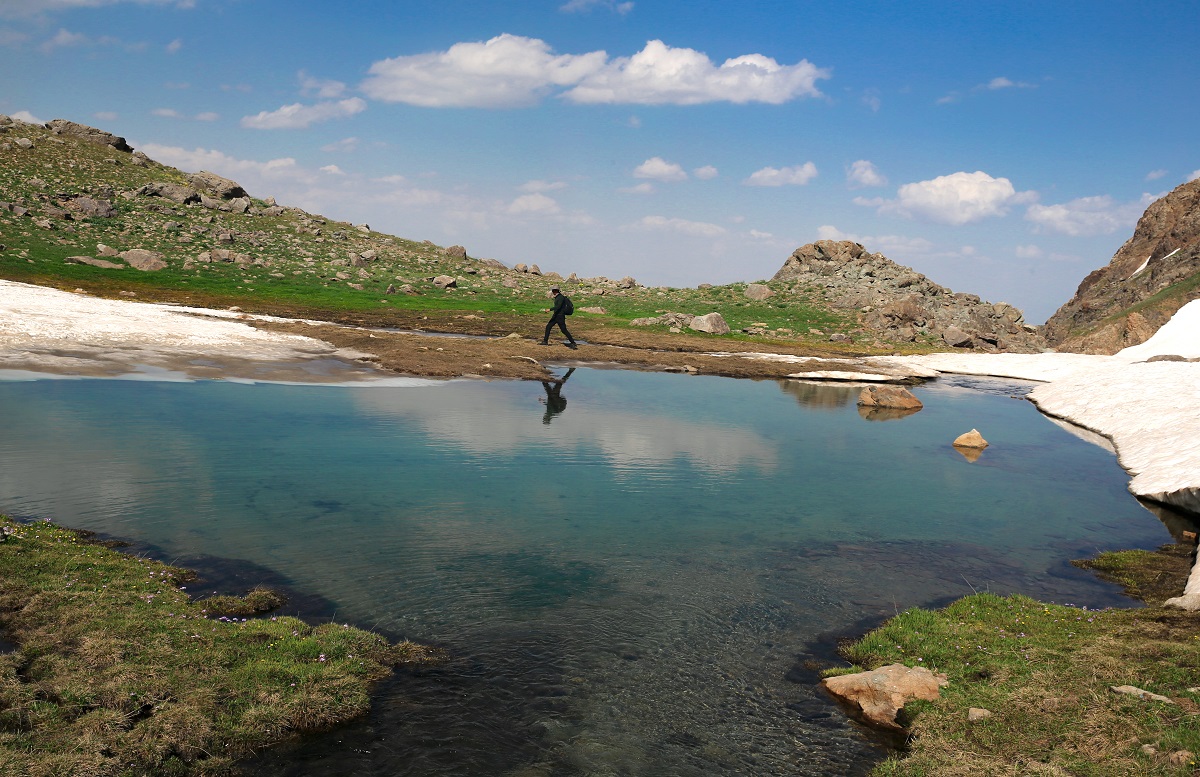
[[474, 418]]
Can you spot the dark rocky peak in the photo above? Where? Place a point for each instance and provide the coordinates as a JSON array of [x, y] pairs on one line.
[[1151, 276]]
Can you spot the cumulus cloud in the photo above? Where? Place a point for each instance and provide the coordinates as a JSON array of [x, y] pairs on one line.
[[1154, 175], [167, 113], [321, 88], [1088, 216], [887, 244], [504, 72], [682, 226], [535, 204], [582, 6], [513, 71], [706, 173], [542, 186], [63, 39], [958, 198], [658, 169], [783, 176], [641, 188], [863, 173], [27, 117], [345, 145], [208, 159], [332, 170], [660, 74], [299, 116], [1195, 174]]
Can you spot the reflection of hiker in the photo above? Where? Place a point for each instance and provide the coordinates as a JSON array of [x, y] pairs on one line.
[[563, 307], [555, 402]]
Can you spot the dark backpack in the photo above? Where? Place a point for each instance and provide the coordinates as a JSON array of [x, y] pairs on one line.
[[568, 306]]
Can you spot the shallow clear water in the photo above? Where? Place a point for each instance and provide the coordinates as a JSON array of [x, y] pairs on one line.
[[628, 582]]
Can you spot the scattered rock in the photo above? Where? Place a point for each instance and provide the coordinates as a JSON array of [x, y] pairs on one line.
[[758, 292], [896, 397], [971, 439], [978, 713], [176, 192], [391, 289], [627, 283], [102, 263], [1131, 690], [879, 694], [956, 338], [712, 323], [24, 143], [445, 282], [535, 270], [599, 311], [215, 184], [141, 259], [1181, 758], [456, 252]]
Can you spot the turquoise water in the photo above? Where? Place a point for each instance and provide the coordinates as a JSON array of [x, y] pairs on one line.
[[628, 582]]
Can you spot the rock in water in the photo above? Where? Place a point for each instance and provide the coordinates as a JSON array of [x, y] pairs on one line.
[[896, 397], [972, 439], [878, 695], [712, 323]]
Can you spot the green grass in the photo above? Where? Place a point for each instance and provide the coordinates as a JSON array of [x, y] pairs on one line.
[[119, 672], [1044, 671]]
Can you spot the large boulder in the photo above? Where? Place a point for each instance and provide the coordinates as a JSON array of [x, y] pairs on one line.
[[141, 259], [176, 192], [712, 323], [104, 264], [445, 282], [216, 185], [90, 134], [971, 439], [758, 292], [456, 252], [90, 206], [877, 696], [895, 397]]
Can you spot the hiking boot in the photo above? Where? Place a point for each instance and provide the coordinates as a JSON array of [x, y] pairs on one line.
[[543, 343], [571, 345]]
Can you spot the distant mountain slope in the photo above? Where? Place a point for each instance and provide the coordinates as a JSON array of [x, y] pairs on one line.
[[1154, 274], [901, 304]]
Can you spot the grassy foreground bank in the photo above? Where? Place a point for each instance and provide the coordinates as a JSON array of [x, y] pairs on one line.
[[118, 672], [1045, 672]]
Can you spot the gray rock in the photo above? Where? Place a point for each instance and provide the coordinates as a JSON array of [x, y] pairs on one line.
[[91, 207], [956, 338], [239, 204], [221, 187], [712, 323], [90, 134], [758, 292], [141, 259], [102, 263], [456, 252], [176, 192], [24, 143], [628, 283], [445, 282], [104, 250]]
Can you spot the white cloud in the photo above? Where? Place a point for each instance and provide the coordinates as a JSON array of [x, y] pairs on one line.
[[167, 113], [64, 39], [660, 74], [542, 186], [754, 233], [27, 117], [682, 226], [872, 100], [958, 198], [1154, 175], [512, 71], [332, 170], [207, 116], [345, 145], [783, 176], [299, 116], [1195, 174], [641, 188], [1006, 83], [283, 169], [1088, 216], [658, 169], [174, 46], [321, 88], [504, 72], [582, 6], [863, 173], [534, 204], [1029, 252], [706, 173], [16, 8]]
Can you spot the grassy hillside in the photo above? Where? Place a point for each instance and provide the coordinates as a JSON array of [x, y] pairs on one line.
[[280, 259]]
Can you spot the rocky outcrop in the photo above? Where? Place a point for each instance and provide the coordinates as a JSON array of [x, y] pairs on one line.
[[712, 323], [90, 134], [216, 185], [1154, 274], [902, 304]]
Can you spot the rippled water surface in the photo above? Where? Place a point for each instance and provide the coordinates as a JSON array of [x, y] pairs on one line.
[[628, 575]]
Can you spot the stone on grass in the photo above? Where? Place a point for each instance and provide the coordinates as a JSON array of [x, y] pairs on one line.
[[896, 397], [758, 292], [445, 282], [101, 263], [456, 252], [978, 713], [971, 439], [712, 323], [879, 694], [595, 310], [141, 259], [1144, 695], [221, 187]]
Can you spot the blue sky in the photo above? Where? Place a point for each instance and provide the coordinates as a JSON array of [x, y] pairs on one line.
[[1002, 148]]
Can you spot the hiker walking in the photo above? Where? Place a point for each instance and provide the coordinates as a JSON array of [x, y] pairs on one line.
[[563, 307]]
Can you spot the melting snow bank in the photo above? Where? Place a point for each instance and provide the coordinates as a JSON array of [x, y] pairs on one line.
[[1149, 409]]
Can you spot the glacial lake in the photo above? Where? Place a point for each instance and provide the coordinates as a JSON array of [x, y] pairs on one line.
[[631, 577]]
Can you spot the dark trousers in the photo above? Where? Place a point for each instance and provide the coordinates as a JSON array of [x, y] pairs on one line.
[[561, 320]]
